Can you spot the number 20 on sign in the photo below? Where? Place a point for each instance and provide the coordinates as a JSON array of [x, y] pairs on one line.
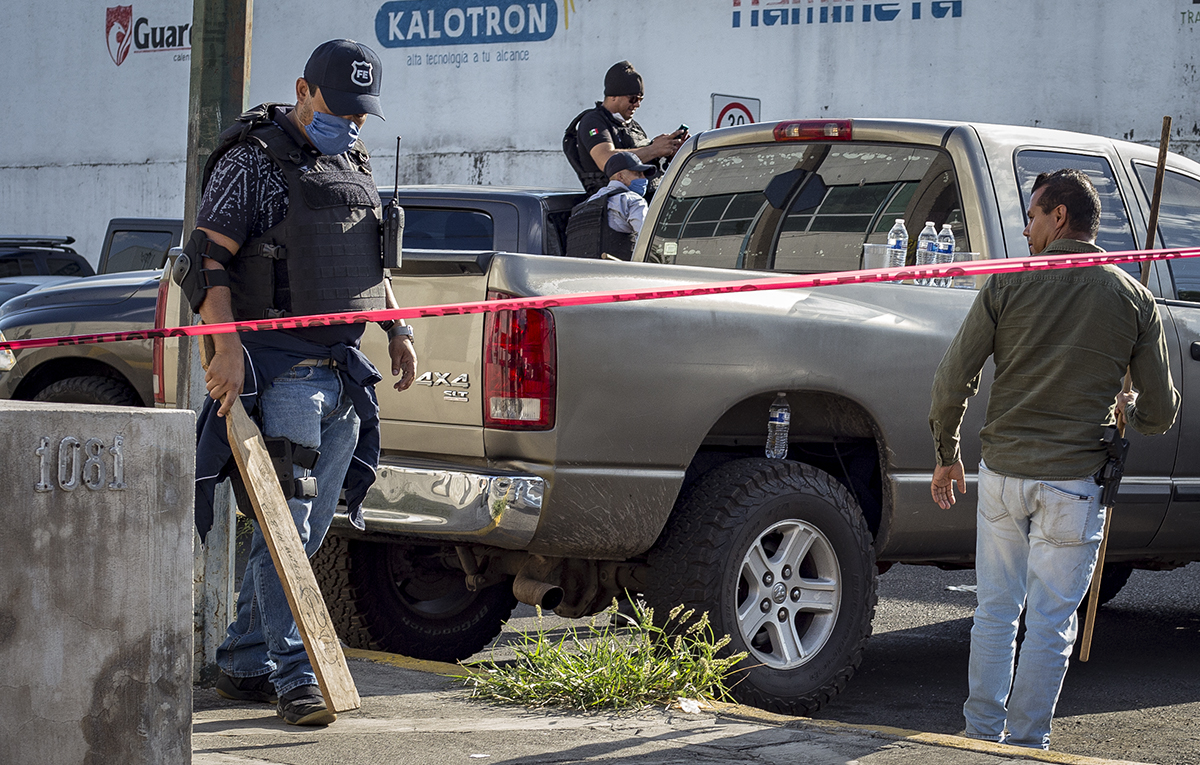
[[80, 463]]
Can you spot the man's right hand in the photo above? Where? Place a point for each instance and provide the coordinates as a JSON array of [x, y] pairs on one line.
[[1124, 399], [942, 485], [224, 378]]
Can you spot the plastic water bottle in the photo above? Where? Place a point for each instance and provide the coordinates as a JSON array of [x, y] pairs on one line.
[[927, 244], [897, 244], [777, 428], [945, 252]]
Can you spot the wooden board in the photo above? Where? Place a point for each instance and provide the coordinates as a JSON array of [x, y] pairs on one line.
[[295, 572]]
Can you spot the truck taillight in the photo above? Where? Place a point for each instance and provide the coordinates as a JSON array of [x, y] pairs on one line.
[[813, 130], [160, 316], [519, 369]]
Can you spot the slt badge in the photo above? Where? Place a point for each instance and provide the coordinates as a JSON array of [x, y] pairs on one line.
[[443, 379]]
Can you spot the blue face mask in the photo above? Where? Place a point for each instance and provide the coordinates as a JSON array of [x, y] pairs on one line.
[[638, 186], [330, 134]]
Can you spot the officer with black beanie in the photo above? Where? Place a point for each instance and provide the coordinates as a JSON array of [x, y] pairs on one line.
[[599, 133]]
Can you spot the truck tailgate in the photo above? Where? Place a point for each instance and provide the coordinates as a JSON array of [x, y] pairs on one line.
[[442, 413]]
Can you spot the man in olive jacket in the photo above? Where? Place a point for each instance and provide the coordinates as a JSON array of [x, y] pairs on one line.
[[1062, 341]]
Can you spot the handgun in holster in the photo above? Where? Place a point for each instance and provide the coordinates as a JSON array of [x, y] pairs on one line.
[[1109, 476]]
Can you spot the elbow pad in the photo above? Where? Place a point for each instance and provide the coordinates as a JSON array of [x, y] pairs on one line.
[[194, 280]]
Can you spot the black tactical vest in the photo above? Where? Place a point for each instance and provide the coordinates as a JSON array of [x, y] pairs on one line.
[[626, 135], [325, 255], [590, 236]]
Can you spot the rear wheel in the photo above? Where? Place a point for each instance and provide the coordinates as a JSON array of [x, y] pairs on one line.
[[396, 598], [89, 390], [779, 555]]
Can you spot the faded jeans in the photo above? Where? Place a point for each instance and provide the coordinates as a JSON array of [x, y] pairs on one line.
[[1036, 547], [307, 406]]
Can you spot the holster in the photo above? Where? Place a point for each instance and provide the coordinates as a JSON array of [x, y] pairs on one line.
[[284, 454], [1109, 476]]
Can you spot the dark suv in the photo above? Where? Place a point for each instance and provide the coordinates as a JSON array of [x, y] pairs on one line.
[[27, 261]]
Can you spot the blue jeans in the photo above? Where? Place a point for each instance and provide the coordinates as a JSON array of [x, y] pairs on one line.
[[307, 406], [1036, 547]]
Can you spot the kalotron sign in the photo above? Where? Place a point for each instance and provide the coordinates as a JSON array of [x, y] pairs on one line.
[[414, 23]]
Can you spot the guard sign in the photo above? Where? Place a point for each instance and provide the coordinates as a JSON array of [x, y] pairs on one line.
[[734, 110]]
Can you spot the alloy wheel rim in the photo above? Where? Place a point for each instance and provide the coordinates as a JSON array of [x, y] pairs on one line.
[[788, 594]]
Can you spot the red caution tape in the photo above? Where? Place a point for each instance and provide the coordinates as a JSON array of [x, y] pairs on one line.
[[899, 273]]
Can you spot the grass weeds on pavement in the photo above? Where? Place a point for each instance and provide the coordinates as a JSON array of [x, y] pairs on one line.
[[611, 667]]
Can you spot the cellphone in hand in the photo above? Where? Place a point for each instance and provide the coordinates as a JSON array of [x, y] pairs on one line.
[[683, 129]]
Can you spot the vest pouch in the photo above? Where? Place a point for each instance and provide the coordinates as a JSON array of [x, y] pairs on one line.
[[252, 281], [323, 189], [336, 265]]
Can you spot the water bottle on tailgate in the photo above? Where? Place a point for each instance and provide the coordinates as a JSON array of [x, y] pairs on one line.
[[897, 244], [945, 253], [927, 243]]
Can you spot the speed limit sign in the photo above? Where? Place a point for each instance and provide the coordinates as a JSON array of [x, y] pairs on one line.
[[729, 111]]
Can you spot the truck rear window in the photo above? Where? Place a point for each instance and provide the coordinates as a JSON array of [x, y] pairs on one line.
[[803, 208], [138, 250], [1178, 225], [1115, 232], [431, 228]]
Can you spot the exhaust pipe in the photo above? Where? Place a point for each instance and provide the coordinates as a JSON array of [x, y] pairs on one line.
[[535, 593]]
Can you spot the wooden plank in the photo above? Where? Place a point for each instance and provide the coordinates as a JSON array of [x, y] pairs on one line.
[[295, 572]]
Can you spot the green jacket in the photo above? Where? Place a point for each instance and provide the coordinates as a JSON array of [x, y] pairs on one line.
[[1062, 341]]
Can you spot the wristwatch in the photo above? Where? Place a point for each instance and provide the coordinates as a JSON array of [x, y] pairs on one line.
[[399, 331]]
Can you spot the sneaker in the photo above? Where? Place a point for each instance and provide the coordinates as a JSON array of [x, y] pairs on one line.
[[257, 688], [304, 706]]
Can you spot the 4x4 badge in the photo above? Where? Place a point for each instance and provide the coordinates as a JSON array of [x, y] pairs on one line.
[[443, 378]]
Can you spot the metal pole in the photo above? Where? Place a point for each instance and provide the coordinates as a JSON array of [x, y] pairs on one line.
[[220, 81], [1089, 622]]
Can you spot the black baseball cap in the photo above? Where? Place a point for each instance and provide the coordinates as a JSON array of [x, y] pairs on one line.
[[627, 160], [347, 74]]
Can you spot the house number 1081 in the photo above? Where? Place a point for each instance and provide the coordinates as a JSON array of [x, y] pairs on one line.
[[80, 463]]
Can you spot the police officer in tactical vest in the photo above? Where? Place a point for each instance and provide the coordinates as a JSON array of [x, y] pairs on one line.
[[289, 225], [598, 133], [607, 224]]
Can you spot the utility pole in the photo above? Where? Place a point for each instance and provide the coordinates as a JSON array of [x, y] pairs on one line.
[[220, 81]]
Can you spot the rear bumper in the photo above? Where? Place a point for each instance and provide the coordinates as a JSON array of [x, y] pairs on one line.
[[500, 509]]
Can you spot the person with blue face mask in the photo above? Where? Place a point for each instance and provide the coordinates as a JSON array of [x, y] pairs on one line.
[[289, 225], [608, 223]]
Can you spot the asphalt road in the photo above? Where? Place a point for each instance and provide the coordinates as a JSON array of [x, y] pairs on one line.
[[1136, 699]]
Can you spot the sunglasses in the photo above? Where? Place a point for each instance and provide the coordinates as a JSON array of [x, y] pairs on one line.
[[635, 100]]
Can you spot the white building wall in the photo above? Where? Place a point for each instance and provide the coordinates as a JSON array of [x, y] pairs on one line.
[[84, 139]]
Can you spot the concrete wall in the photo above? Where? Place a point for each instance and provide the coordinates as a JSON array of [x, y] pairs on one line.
[[489, 106], [95, 584]]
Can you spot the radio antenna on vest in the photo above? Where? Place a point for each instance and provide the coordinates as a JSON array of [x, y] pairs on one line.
[[396, 184], [393, 221]]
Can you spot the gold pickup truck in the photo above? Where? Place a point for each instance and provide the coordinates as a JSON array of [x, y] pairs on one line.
[[568, 456]]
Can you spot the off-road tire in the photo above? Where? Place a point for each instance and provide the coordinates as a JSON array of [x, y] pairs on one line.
[[89, 390], [371, 610], [700, 558]]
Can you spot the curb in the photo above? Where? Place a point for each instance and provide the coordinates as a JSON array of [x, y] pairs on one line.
[[945, 741], [752, 714]]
